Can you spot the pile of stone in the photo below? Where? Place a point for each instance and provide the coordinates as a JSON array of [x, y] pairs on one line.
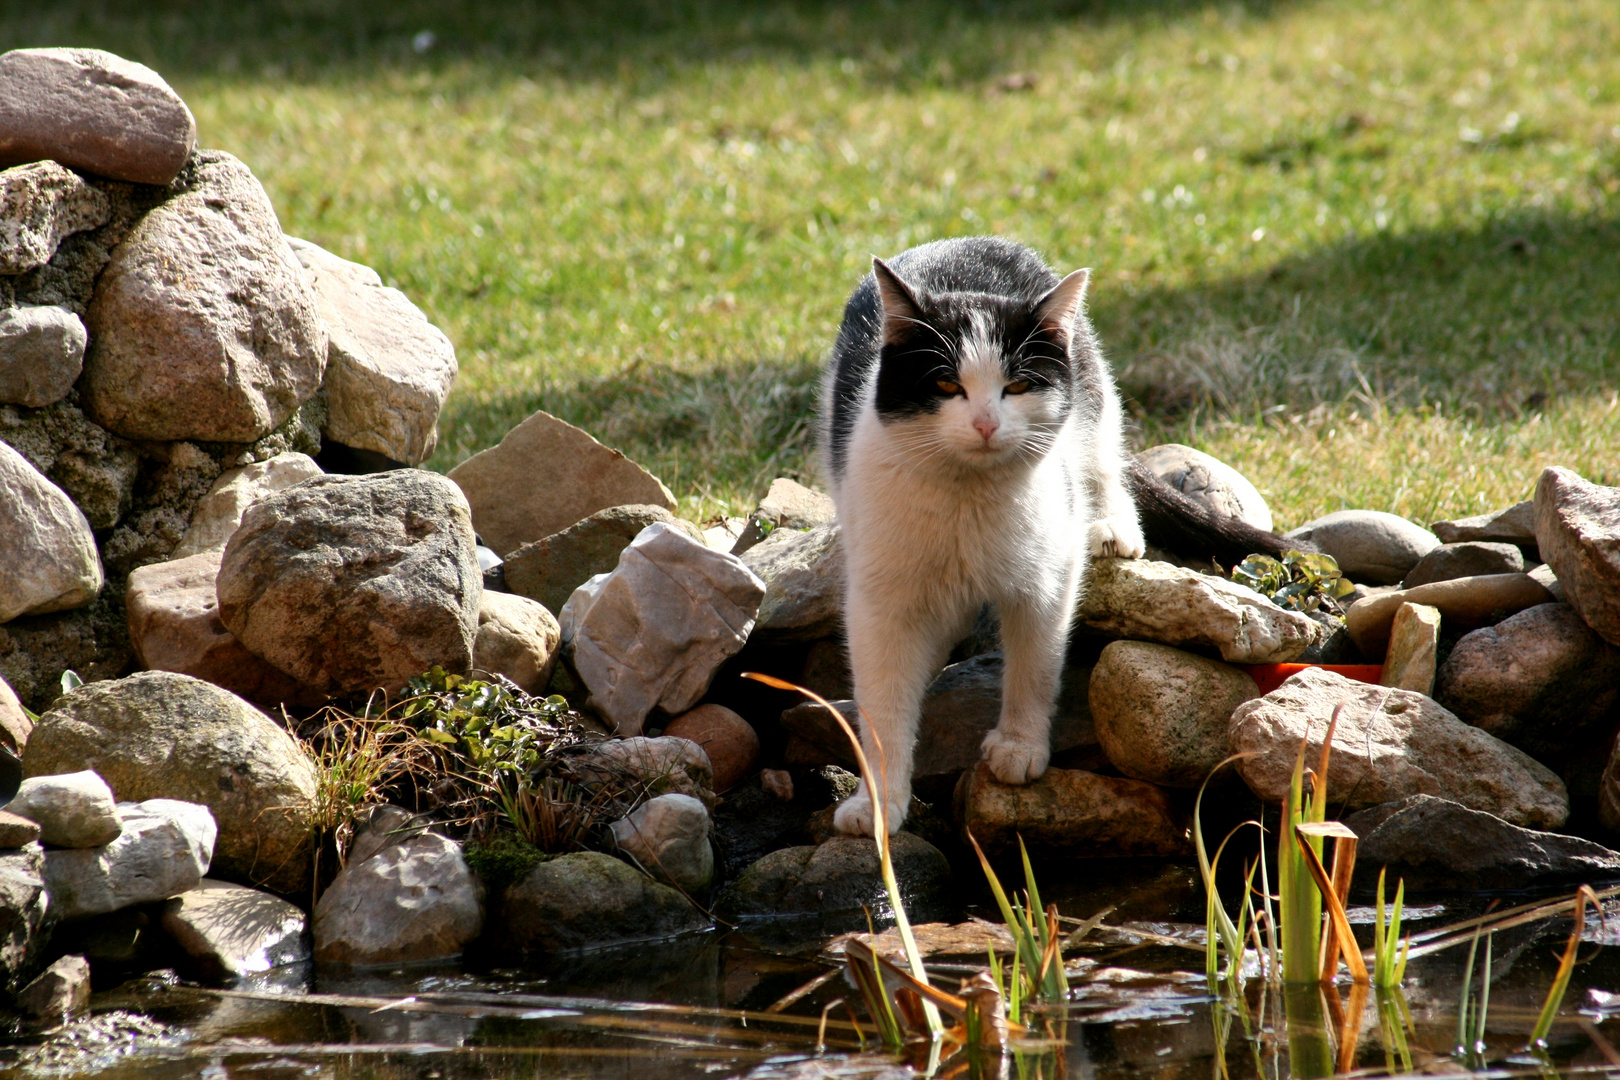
[[163, 346], [208, 434]]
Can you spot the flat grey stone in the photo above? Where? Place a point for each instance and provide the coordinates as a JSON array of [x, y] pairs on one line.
[[1434, 843], [550, 569], [164, 850]]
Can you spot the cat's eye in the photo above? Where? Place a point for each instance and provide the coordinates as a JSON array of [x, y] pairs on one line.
[[949, 387], [1017, 387]]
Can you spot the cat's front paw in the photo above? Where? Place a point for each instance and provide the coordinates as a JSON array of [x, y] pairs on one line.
[[1116, 537], [1014, 760], [854, 815]]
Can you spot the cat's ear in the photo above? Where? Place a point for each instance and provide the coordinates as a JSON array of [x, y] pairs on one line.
[[1059, 308], [900, 307]]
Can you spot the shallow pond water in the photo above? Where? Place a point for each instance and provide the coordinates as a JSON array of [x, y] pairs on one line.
[[700, 1007]]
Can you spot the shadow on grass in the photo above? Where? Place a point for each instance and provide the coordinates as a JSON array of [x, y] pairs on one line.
[[922, 42], [1493, 322], [1490, 321]]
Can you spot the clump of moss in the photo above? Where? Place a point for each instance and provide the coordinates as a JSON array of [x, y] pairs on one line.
[[503, 858]]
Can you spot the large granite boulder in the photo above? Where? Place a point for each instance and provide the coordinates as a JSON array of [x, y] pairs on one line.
[[1208, 480], [1161, 714], [1370, 546], [588, 899], [163, 850], [412, 900], [219, 513], [41, 353], [51, 561], [652, 634], [1541, 680], [550, 569], [349, 583], [1389, 744], [92, 111], [202, 325], [1073, 813], [1436, 844], [1578, 530], [543, 476], [174, 625], [41, 204], [158, 735], [388, 370], [1154, 601]]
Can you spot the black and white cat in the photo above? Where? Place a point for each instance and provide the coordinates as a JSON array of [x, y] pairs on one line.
[[974, 440]]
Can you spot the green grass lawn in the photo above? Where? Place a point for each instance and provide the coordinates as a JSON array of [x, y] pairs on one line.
[[1369, 253]]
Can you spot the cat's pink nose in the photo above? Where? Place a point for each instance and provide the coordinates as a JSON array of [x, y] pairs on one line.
[[985, 426]]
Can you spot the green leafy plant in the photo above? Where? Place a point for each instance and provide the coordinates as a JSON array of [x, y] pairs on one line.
[[1298, 581]]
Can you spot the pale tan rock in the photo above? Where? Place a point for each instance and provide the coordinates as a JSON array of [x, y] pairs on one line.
[[789, 504], [156, 735], [1161, 714], [728, 739], [651, 765], [1072, 813], [1389, 744], [803, 574], [51, 562], [1468, 600], [220, 511], [61, 990], [545, 475], [174, 625], [41, 204], [202, 326], [1578, 531], [517, 637], [1414, 641], [1153, 601], [668, 837], [1515, 524], [1370, 546], [388, 370], [15, 724], [74, 810], [349, 583], [94, 111], [652, 634], [1208, 480]]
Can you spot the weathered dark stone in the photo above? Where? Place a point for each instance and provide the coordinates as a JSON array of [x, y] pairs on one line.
[[1464, 559], [587, 899], [838, 877]]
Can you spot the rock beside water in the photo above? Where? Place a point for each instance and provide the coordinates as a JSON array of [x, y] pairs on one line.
[[589, 899]]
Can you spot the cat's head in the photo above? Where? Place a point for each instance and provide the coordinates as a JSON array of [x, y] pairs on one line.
[[976, 379]]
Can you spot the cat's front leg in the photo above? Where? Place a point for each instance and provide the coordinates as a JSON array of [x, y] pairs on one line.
[[1116, 529], [892, 657], [1034, 638]]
